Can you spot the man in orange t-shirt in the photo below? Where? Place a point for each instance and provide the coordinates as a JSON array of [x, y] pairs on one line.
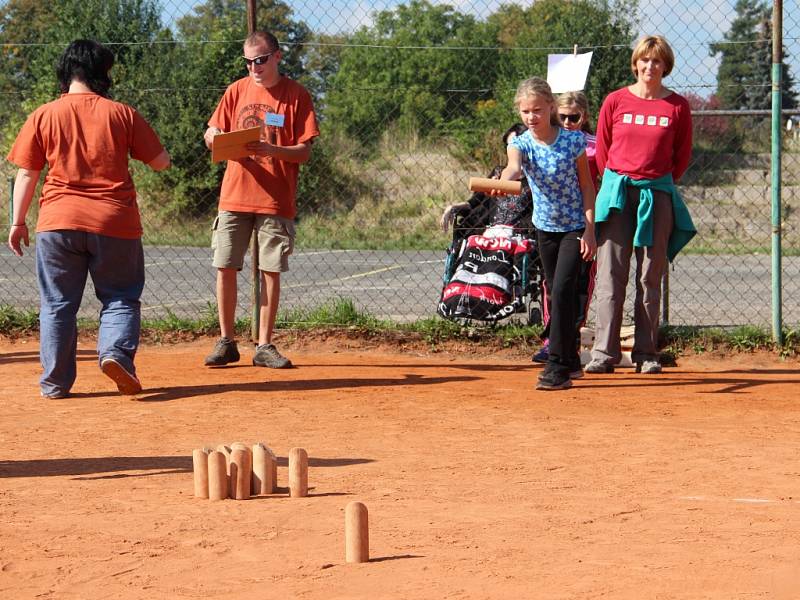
[[88, 216], [258, 191]]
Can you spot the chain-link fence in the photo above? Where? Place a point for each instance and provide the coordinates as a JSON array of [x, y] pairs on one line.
[[412, 99]]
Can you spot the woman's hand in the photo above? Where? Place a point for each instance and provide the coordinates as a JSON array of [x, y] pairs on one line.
[[588, 244]]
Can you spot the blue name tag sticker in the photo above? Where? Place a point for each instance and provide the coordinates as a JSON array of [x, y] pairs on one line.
[[274, 119]]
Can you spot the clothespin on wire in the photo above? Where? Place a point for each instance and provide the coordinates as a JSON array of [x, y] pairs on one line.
[[575, 50]]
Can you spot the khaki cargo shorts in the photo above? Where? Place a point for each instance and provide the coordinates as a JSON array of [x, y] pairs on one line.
[[231, 234]]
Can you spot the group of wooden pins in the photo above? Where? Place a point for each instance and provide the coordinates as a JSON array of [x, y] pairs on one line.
[[238, 471]]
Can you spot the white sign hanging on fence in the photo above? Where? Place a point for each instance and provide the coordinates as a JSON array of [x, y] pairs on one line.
[[568, 72]]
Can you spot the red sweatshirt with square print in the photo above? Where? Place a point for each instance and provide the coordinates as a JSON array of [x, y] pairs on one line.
[[644, 139]]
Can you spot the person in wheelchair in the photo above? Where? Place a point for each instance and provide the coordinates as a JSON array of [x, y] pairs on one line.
[[492, 269]]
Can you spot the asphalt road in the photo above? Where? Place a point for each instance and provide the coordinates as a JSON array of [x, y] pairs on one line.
[[404, 286]]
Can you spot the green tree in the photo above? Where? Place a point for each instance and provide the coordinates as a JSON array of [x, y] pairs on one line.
[[528, 35], [524, 37], [38, 33], [415, 68], [744, 78]]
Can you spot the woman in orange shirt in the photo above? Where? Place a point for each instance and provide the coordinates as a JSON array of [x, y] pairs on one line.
[[88, 216]]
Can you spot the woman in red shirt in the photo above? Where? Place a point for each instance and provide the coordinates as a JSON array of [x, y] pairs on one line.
[[644, 143]]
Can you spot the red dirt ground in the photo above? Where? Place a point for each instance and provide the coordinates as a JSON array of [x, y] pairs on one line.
[[684, 485]]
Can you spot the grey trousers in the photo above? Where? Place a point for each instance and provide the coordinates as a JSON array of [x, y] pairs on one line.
[[614, 250]]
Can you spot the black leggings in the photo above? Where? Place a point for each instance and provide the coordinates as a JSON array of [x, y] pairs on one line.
[[561, 260]]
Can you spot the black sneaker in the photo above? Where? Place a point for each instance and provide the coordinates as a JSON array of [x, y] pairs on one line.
[[554, 380], [225, 351], [267, 355]]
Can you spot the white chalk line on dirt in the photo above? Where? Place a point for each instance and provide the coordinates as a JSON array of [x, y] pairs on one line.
[[738, 500]]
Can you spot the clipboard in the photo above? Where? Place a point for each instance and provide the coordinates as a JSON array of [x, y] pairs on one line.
[[230, 146]]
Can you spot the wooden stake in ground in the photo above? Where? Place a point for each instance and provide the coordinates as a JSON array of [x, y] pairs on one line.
[[217, 476], [298, 473], [200, 470], [263, 482], [356, 533]]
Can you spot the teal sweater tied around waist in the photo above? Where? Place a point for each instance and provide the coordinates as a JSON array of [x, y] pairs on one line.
[[613, 193]]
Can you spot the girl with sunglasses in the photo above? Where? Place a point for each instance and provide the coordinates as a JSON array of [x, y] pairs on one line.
[[573, 114]]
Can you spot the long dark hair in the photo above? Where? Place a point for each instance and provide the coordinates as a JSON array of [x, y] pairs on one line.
[[516, 129], [86, 61]]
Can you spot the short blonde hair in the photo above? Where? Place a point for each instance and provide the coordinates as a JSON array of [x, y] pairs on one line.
[[656, 46], [536, 86]]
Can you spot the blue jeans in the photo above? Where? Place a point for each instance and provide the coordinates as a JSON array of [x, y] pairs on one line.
[[63, 260]]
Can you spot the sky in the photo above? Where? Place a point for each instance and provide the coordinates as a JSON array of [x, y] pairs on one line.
[[689, 25]]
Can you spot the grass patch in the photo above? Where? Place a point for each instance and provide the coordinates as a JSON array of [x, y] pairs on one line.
[[339, 312], [18, 321], [435, 331], [342, 314], [746, 338]]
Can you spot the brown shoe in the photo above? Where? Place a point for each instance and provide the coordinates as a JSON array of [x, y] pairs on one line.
[[127, 382], [224, 352], [267, 355]]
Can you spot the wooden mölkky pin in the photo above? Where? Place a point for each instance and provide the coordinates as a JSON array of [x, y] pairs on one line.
[[226, 452], [263, 482], [217, 476], [298, 473], [246, 448], [200, 470], [274, 460], [240, 474], [356, 533]]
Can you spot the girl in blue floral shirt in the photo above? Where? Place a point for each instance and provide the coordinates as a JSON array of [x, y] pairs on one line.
[[555, 164]]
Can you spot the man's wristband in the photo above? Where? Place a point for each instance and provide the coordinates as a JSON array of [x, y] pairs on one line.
[[19, 224]]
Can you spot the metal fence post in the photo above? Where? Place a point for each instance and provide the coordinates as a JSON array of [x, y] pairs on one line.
[[255, 321], [777, 62]]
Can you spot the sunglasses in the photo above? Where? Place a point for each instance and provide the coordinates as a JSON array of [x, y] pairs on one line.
[[258, 60], [572, 118]]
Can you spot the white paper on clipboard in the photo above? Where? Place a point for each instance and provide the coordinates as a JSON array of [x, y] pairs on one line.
[[568, 72]]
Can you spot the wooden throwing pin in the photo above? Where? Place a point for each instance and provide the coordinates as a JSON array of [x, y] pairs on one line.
[[484, 184], [298, 473], [217, 476], [356, 533]]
